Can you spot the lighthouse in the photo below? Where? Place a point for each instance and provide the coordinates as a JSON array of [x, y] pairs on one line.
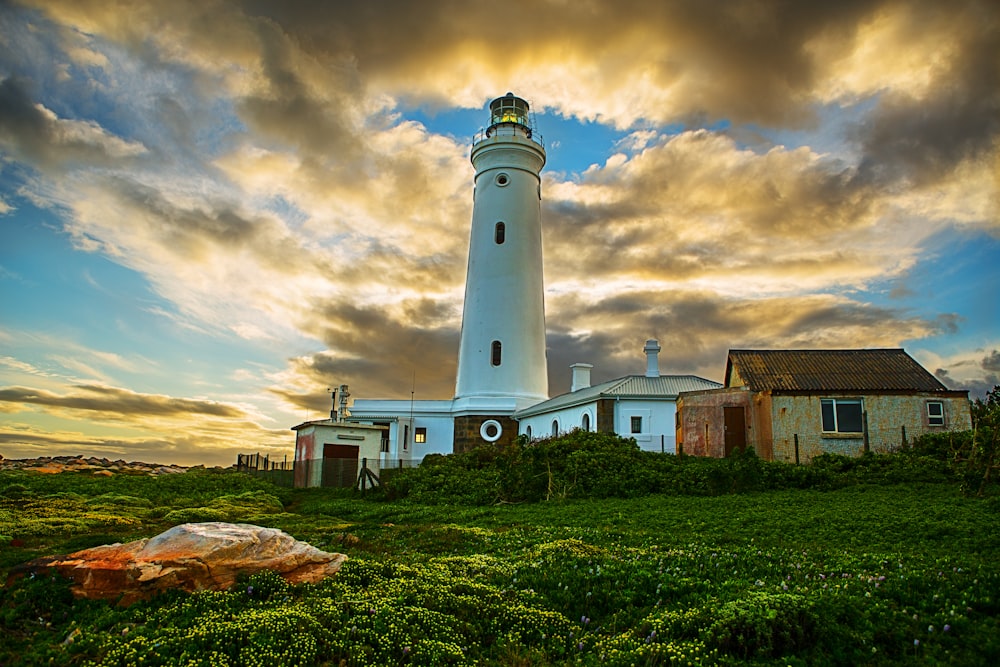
[[501, 358]]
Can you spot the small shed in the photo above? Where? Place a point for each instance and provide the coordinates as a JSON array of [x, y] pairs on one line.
[[792, 405], [330, 453]]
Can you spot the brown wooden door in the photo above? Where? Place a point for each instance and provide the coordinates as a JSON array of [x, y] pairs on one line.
[[340, 465], [736, 428]]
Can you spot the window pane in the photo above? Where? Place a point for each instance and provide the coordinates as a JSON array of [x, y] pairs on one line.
[[829, 423], [849, 416], [499, 233], [495, 353], [585, 424]]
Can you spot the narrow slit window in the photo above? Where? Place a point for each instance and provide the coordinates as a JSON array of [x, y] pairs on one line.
[[500, 233], [495, 353]]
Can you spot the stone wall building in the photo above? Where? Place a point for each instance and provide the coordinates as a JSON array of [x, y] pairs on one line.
[[792, 405]]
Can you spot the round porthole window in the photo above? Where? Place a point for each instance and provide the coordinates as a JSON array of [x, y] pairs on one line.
[[502, 179], [491, 430]]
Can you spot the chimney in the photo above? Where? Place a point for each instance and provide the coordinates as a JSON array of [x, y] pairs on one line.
[[652, 350], [581, 376]]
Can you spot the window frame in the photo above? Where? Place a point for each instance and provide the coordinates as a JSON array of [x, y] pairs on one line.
[[934, 420], [635, 424], [500, 232], [836, 415], [420, 435], [496, 353]]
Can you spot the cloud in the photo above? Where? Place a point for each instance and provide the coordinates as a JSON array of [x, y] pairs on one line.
[[27, 441], [34, 133], [118, 401]]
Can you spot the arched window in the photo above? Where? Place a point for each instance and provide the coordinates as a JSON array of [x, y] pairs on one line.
[[527, 431], [555, 427], [495, 351], [500, 233], [585, 422]]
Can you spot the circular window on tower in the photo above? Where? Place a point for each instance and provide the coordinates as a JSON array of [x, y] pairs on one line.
[[491, 430], [502, 179]]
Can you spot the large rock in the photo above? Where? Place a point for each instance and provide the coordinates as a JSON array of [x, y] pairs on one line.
[[192, 556]]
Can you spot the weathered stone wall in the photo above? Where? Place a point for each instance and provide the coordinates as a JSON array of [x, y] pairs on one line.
[[467, 434], [606, 416]]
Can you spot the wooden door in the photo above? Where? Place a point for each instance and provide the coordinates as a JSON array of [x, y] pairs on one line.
[[736, 428], [340, 465]]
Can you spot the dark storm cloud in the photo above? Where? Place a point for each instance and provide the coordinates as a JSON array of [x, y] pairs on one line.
[[696, 330], [36, 135], [991, 362], [924, 137], [287, 110], [382, 351], [114, 400], [749, 58]]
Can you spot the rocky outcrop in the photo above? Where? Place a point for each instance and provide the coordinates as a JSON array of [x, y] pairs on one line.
[[92, 464], [191, 557]]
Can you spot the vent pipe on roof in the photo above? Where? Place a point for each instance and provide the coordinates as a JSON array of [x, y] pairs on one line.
[[581, 376], [652, 350]]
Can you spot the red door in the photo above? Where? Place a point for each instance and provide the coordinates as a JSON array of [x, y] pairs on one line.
[[736, 428], [340, 465]]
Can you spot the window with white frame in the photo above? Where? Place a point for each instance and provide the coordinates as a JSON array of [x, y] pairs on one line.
[[841, 415], [935, 413]]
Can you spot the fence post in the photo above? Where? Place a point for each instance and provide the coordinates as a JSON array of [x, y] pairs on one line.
[[864, 432], [796, 449]]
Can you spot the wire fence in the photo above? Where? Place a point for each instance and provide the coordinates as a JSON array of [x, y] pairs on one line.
[[361, 473]]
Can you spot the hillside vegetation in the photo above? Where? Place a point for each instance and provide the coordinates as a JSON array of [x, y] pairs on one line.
[[576, 550]]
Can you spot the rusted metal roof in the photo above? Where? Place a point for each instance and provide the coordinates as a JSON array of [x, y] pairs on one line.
[[829, 370]]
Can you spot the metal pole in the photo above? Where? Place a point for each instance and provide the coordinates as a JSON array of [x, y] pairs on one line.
[[796, 449]]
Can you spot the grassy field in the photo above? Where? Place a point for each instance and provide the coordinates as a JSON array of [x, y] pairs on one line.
[[862, 574]]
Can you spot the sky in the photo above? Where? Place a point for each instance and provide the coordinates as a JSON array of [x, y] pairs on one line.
[[212, 212]]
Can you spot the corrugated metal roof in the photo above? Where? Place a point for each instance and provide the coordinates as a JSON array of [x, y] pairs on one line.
[[664, 385], [632, 386], [830, 370]]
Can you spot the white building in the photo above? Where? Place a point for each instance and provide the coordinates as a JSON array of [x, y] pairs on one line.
[[643, 407], [501, 388]]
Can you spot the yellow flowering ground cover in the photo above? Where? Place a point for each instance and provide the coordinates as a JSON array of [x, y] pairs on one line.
[[893, 573]]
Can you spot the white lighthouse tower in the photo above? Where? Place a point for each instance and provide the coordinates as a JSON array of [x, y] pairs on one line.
[[501, 359]]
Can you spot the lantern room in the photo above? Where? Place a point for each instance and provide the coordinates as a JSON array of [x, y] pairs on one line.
[[509, 109]]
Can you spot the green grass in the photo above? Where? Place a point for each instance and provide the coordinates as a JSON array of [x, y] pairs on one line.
[[863, 574]]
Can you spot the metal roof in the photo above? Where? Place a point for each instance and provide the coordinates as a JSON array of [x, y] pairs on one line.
[[630, 386], [830, 370]]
